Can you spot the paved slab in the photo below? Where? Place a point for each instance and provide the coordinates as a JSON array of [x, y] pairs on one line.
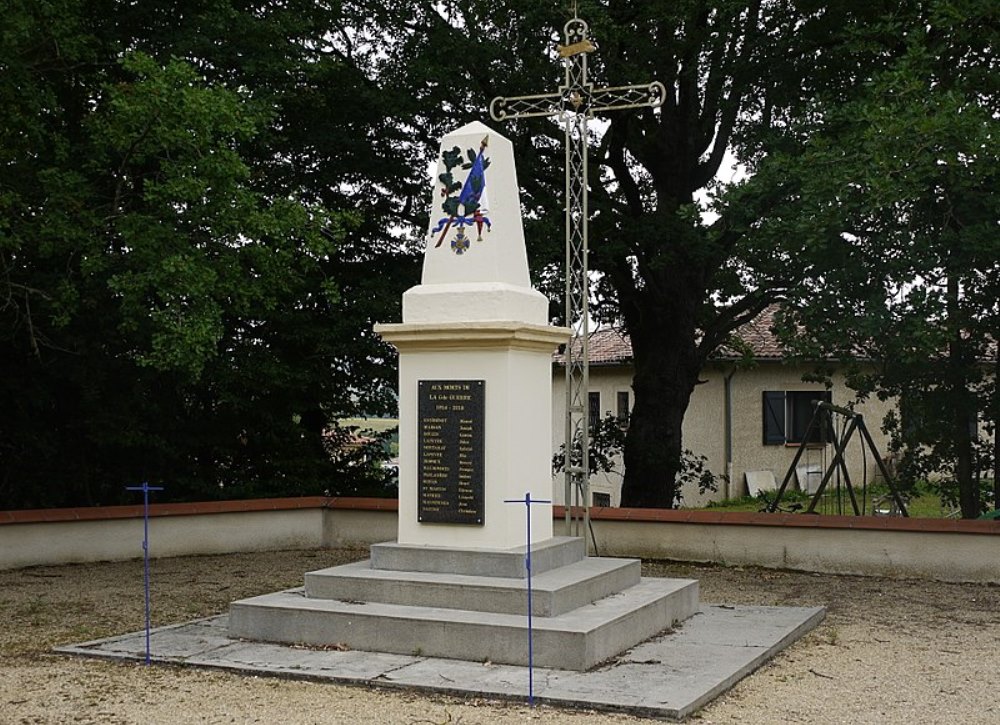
[[669, 676]]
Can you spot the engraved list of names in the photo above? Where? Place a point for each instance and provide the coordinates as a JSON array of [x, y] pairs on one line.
[[450, 455]]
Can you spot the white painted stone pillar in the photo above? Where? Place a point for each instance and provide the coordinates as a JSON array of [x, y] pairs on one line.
[[475, 319]]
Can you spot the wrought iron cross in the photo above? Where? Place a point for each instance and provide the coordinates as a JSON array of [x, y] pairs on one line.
[[576, 101]]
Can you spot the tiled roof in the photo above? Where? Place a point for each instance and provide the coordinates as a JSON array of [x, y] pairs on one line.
[[611, 345], [608, 346], [759, 335]]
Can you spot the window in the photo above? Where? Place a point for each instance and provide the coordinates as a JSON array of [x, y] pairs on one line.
[[602, 499], [623, 407], [594, 410], [787, 416]]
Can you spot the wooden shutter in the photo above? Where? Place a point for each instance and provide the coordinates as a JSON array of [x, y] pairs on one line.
[[594, 412], [623, 407], [774, 417]]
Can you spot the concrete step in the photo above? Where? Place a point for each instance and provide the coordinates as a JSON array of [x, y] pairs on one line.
[[575, 640], [554, 592], [545, 555]]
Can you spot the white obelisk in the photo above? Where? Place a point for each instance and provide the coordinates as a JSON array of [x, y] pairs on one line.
[[475, 362]]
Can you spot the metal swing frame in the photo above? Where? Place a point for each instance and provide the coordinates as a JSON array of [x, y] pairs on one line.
[[823, 416]]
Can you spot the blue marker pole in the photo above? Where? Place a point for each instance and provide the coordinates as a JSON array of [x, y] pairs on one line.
[[527, 501], [145, 488]]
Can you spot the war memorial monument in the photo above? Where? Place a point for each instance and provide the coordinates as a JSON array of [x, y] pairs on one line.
[[445, 606], [477, 595], [475, 358]]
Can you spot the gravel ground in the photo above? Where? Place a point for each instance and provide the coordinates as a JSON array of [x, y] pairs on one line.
[[890, 651]]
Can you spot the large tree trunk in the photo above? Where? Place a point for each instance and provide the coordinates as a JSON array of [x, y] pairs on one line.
[[666, 370]]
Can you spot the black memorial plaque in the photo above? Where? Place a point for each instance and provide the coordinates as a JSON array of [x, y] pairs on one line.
[[450, 451]]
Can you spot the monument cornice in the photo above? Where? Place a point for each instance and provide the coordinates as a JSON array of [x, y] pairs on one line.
[[485, 335]]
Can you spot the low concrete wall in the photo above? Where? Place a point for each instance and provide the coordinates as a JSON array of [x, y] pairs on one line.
[[945, 550], [59, 536], [359, 522], [926, 548]]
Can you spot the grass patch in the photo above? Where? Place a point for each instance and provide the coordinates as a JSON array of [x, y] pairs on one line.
[[926, 503], [374, 424]]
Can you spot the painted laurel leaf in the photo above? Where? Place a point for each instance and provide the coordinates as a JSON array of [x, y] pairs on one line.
[[452, 158]]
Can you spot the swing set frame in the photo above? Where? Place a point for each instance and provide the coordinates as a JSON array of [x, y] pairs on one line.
[[822, 419]]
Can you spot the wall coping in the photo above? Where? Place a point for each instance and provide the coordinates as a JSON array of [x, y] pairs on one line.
[[818, 521], [98, 513], [675, 516]]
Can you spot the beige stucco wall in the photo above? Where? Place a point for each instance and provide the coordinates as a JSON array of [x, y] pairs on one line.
[[805, 543], [866, 552], [749, 453], [66, 542], [608, 381], [705, 425], [358, 528]]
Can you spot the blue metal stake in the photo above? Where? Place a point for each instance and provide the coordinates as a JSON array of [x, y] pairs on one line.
[[527, 501], [145, 488]]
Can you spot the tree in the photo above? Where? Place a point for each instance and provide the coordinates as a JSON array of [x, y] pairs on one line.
[[898, 200], [184, 296], [735, 73]]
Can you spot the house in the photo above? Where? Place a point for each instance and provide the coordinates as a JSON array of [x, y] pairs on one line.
[[743, 419]]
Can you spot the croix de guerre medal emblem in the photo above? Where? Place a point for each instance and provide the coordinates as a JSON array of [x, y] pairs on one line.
[[464, 203]]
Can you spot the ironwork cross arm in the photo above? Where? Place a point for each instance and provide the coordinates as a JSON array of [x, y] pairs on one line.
[[617, 98], [620, 98], [542, 104]]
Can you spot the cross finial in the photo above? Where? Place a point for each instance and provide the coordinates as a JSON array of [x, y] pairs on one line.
[[576, 39]]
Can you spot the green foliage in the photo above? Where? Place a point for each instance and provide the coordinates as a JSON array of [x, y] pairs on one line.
[[948, 493], [894, 201], [924, 500], [186, 293], [453, 157], [204, 206], [678, 284], [790, 501], [360, 456]]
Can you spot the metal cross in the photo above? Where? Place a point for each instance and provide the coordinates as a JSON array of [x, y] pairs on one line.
[[576, 101]]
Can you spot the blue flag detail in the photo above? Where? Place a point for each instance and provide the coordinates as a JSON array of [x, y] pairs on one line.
[[465, 209], [475, 183]]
